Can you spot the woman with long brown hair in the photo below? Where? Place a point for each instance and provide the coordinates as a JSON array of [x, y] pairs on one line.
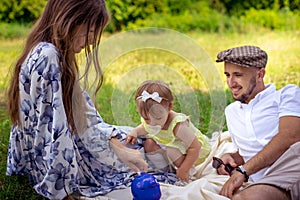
[[57, 137]]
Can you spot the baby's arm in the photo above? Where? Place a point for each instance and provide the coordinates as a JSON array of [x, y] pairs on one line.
[[137, 131], [186, 135]]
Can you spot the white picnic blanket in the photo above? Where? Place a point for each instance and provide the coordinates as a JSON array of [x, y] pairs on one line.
[[206, 187]]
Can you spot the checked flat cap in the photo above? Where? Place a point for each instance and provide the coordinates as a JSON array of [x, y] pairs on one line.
[[245, 56]]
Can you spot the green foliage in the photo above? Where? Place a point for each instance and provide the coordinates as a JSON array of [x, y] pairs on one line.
[[198, 17], [21, 10], [294, 5], [13, 30], [125, 11], [188, 15], [279, 20], [239, 7], [179, 6], [201, 17]]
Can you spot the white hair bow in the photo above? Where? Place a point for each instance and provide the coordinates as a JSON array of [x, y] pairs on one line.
[[145, 96]]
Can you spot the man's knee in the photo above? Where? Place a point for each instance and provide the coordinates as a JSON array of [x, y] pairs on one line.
[[237, 196], [262, 192]]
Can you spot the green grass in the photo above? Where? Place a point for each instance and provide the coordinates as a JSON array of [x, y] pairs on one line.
[[124, 74]]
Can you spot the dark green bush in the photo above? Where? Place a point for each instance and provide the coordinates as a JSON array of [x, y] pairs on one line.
[[23, 11], [239, 7], [125, 11], [211, 16], [198, 17]]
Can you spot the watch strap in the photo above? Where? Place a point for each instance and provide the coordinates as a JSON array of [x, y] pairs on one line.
[[242, 170]]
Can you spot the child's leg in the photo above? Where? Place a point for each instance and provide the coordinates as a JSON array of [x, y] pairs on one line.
[[156, 155], [175, 156], [151, 146]]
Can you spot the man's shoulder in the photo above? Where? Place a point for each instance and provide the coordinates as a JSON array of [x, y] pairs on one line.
[[290, 88], [288, 91]]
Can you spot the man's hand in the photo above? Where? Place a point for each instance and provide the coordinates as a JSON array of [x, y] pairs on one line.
[[232, 184], [227, 158]]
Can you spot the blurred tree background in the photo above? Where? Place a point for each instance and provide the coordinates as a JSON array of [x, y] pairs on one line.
[[22, 11], [187, 15]]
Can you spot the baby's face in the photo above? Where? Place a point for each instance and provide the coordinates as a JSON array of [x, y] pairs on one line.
[[158, 115]]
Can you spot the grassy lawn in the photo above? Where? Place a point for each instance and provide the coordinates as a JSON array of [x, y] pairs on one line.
[[190, 88]]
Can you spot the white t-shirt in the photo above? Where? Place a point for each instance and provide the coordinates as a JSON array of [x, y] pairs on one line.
[[253, 125]]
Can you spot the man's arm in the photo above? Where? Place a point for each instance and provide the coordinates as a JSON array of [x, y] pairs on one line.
[[288, 134]]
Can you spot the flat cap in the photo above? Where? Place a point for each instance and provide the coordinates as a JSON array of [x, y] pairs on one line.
[[245, 56]]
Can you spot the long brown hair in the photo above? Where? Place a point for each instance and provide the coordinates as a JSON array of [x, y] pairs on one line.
[[57, 25]]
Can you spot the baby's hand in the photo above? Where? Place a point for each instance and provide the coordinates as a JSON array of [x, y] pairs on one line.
[[131, 138], [183, 174]]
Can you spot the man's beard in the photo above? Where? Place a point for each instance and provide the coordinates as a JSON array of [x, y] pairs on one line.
[[244, 97]]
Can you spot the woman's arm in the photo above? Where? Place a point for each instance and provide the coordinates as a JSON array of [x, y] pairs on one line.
[[132, 158]]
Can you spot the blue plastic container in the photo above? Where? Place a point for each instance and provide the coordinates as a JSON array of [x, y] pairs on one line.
[[145, 187]]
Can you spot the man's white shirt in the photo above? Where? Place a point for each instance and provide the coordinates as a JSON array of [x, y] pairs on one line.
[[253, 125]]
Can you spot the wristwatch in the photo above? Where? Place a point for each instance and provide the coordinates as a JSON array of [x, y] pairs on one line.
[[242, 170]]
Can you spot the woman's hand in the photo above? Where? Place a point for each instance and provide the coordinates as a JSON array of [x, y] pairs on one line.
[[131, 157]]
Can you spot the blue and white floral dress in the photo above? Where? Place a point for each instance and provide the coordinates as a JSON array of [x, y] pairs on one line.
[[58, 162]]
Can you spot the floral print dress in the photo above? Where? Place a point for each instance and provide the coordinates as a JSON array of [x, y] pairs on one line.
[[60, 163]]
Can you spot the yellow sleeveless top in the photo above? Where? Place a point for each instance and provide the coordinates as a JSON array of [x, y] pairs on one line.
[[167, 137]]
